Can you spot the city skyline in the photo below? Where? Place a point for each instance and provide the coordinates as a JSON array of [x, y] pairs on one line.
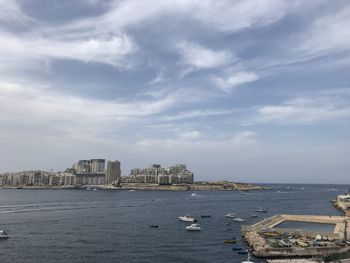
[[253, 91]]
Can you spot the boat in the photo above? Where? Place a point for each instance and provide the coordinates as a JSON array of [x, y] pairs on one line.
[[193, 227], [187, 218], [3, 234], [254, 216], [243, 252], [205, 216], [132, 190], [302, 243], [239, 219], [230, 215], [194, 194], [230, 241], [155, 226], [261, 210], [248, 259], [237, 248]]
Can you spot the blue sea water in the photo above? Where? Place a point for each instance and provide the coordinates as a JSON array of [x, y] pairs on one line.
[[114, 226]]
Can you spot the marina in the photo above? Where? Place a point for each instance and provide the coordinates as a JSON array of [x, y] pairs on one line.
[[270, 238]]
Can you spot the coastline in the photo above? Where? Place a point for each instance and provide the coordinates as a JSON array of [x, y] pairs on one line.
[[198, 186]]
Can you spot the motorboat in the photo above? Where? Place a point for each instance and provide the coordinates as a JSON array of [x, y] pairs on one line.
[[230, 241], [243, 252], [237, 248], [154, 226], [254, 216], [205, 216], [193, 227], [230, 215], [187, 218], [261, 210], [239, 219], [248, 259], [194, 194], [3, 234]]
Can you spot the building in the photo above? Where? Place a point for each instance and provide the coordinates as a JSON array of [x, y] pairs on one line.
[[343, 201], [97, 165], [177, 174], [113, 173]]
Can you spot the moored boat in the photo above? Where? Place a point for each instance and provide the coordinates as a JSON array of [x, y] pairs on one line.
[[3, 234], [230, 241], [248, 259], [193, 227], [187, 218], [230, 215], [239, 219], [261, 210]]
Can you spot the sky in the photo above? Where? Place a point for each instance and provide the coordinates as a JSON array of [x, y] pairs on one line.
[[243, 90]]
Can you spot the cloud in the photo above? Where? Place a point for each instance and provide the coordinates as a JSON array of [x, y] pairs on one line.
[[189, 136], [39, 107], [197, 114], [227, 84], [306, 111], [199, 57], [191, 142], [223, 15], [109, 50], [327, 34]]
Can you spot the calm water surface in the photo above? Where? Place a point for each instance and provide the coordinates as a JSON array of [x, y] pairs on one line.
[[113, 226]]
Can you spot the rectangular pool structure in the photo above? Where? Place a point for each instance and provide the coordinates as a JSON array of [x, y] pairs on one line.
[[308, 226]]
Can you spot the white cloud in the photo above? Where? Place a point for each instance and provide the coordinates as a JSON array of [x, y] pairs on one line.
[[189, 136], [306, 111], [327, 34], [39, 108], [223, 15], [191, 142], [112, 50], [196, 114], [230, 82], [199, 57]]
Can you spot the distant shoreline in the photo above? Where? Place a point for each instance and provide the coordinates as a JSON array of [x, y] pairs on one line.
[[199, 186]]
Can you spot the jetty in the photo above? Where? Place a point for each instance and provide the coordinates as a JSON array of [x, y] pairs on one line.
[[268, 240]]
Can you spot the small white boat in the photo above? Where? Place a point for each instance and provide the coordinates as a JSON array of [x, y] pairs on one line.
[[230, 215], [3, 234], [193, 227], [187, 218], [261, 210], [239, 219], [248, 259], [194, 194]]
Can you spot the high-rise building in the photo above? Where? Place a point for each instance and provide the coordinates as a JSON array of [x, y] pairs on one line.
[[97, 165], [113, 174]]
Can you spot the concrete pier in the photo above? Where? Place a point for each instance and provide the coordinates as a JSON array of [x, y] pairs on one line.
[[269, 240]]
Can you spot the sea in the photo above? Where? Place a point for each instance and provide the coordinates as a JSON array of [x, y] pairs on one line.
[[114, 225]]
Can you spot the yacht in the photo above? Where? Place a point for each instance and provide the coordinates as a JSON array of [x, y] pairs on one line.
[[230, 215], [239, 219], [261, 210], [3, 234], [193, 227], [187, 218]]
